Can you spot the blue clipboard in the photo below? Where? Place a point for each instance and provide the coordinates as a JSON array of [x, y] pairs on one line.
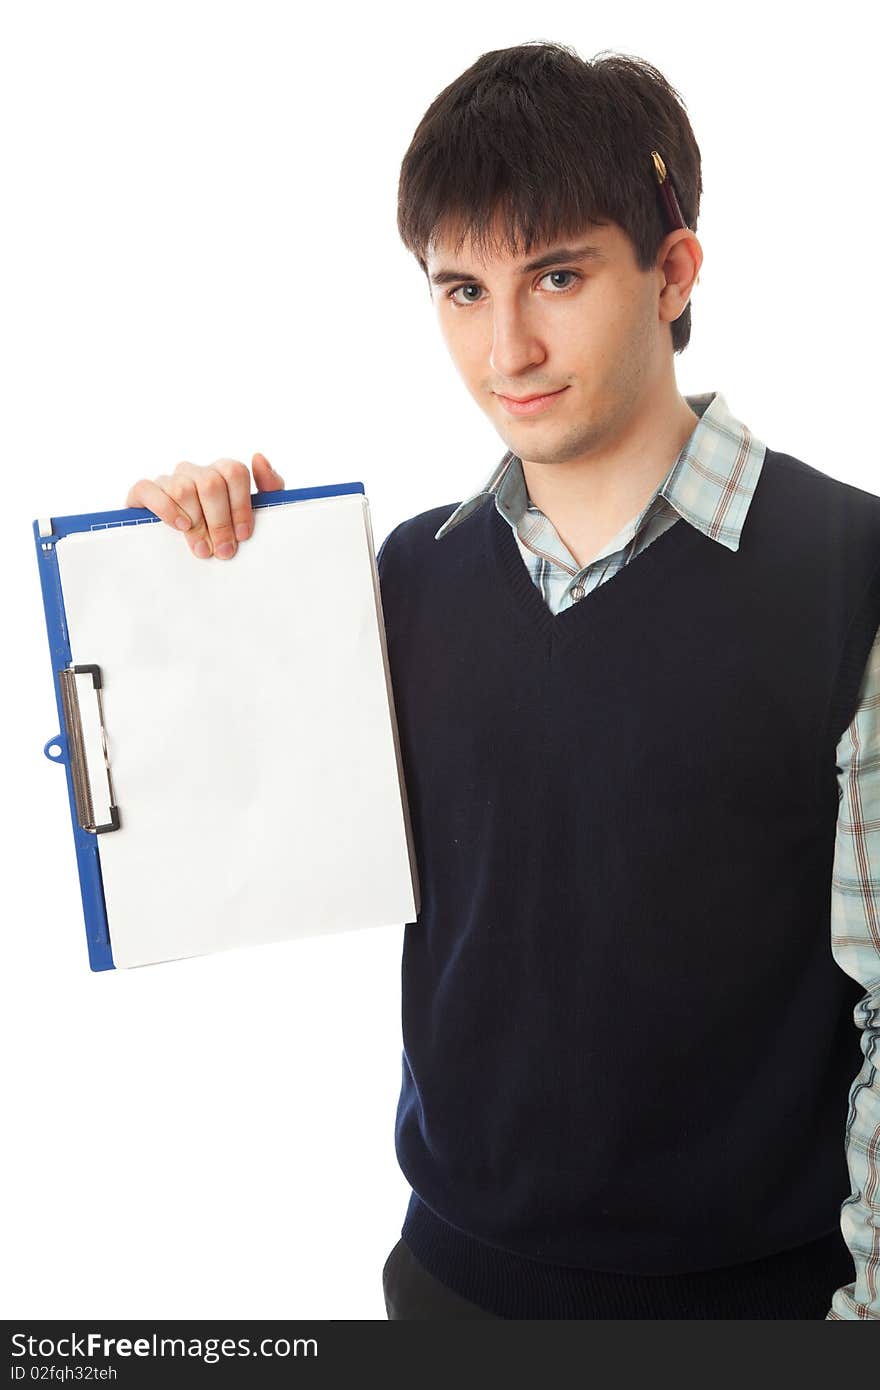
[[61, 747]]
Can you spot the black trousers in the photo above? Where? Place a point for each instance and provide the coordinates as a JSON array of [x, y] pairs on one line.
[[797, 1283]]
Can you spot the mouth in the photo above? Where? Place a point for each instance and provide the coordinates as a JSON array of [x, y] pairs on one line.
[[529, 405]]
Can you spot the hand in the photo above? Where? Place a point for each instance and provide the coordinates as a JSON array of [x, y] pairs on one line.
[[211, 505]]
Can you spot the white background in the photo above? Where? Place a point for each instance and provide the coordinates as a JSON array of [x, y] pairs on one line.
[[200, 259]]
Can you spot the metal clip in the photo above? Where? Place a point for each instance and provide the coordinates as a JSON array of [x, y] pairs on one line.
[[76, 742]]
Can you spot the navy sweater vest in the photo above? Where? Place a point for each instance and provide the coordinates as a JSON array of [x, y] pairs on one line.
[[627, 1045]]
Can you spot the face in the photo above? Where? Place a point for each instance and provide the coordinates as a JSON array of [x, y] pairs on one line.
[[588, 326]]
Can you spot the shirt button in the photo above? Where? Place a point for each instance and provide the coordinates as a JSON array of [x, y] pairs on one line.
[[577, 592]]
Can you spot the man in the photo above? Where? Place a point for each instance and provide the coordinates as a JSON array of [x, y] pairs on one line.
[[636, 678]]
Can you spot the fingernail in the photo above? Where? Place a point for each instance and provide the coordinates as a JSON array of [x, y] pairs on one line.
[[242, 531], [182, 523], [203, 550], [224, 550]]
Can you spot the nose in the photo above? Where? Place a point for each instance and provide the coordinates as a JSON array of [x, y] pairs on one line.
[[515, 346]]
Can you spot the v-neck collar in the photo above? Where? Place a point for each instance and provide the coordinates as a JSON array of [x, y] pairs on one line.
[[599, 603]]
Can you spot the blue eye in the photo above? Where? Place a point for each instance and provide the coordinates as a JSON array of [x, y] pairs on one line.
[[565, 289], [563, 272]]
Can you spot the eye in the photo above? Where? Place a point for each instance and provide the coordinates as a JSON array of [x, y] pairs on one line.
[[459, 304], [562, 272]]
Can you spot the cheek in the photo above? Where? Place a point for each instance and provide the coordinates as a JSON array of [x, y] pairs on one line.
[[624, 330], [469, 349]]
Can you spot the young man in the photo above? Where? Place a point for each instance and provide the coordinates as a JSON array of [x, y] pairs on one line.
[[636, 677]]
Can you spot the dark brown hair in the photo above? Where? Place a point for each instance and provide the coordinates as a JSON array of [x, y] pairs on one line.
[[551, 143]]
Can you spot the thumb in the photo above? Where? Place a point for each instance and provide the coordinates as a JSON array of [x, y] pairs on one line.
[[265, 476]]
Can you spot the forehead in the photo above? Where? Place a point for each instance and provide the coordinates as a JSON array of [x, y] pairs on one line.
[[449, 249]]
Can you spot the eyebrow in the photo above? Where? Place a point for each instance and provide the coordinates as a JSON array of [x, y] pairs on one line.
[[554, 257]]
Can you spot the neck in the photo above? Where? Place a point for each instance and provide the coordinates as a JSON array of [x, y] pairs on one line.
[[591, 496]]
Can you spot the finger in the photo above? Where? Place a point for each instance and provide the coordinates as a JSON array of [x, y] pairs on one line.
[[214, 498], [152, 495], [238, 483], [181, 487], [210, 498], [265, 476]]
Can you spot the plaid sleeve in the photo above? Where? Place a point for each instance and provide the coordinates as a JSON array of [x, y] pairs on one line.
[[855, 945]]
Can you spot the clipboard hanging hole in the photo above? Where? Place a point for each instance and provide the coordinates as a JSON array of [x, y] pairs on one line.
[[54, 749]]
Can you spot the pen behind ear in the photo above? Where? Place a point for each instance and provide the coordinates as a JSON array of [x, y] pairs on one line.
[[671, 210]]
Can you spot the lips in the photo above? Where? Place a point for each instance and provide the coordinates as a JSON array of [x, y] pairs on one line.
[[521, 400], [530, 405]]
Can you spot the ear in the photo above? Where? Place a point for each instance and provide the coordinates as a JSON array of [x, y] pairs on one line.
[[678, 260]]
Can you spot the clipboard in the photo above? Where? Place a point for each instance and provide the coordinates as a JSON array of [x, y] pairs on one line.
[[227, 729]]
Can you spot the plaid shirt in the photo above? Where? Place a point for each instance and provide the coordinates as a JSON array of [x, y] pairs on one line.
[[710, 485]]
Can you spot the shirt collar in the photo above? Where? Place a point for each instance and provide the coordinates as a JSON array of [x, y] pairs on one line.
[[710, 484]]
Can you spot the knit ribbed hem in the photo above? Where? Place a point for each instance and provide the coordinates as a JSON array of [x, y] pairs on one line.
[[797, 1283]]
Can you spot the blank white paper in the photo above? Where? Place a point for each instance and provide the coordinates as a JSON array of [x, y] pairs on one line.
[[250, 732]]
